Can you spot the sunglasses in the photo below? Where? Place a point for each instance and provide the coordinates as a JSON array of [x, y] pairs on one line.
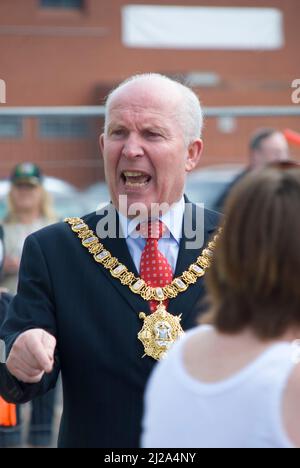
[[25, 185]]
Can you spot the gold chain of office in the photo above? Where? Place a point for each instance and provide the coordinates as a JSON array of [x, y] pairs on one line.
[[138, 285]]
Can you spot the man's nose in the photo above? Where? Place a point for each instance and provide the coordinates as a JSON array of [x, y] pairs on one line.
[[133, 148]]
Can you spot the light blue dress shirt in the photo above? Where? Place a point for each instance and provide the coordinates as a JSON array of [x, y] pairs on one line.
[[168, 245]]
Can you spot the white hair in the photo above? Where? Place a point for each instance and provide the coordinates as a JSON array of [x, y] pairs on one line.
[[190, 113]]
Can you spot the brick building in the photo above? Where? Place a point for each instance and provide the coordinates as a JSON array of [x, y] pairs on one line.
[[72, 52]]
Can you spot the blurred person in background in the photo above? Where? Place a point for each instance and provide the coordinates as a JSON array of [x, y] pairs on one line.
[[266, 146], [29, 209], [10, 431], [233, 381]]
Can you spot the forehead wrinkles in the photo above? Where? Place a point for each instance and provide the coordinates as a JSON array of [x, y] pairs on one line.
[[144, 109], [140, 115]]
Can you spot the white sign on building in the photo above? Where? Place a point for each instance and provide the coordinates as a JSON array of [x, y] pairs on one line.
[[181, 27], [2, 92]]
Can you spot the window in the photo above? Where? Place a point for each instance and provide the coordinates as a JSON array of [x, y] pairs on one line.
[[64, 127], [62, 3], [11, 127]]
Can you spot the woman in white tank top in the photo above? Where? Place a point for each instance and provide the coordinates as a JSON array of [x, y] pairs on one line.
[[234, 382]]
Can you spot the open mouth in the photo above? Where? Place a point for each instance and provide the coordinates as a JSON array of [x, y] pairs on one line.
[[135, 179]]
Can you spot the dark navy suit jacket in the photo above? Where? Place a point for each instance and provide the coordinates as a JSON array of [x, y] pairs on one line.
[[95, 320]]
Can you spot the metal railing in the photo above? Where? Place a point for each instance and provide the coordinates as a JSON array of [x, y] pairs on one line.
[[99, 111]]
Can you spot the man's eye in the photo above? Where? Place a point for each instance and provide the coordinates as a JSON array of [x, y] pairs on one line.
[[117, 132], [152, 134]]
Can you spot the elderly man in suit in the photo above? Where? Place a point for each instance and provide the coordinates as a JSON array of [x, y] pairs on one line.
[[103, 297]]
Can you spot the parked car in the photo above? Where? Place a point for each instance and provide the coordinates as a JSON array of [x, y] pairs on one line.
[[95, 197], [209, 184]]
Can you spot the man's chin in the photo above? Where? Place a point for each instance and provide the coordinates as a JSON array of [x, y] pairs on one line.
[[133, 205]]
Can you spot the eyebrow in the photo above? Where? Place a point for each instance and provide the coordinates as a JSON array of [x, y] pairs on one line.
[[147, 127], [155, 127], [115, 125]]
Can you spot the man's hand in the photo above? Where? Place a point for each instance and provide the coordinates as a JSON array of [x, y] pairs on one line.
[[32, 356]]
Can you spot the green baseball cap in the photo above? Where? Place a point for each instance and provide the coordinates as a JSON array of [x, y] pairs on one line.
[[26, 173]]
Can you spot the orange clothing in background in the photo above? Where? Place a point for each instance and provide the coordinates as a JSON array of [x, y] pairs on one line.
[[8, 414]]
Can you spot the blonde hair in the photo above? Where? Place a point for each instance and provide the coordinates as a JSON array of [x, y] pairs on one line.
[[47, 210]]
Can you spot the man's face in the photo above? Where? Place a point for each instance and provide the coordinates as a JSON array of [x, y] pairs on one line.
[[145, 155], [272, 149]]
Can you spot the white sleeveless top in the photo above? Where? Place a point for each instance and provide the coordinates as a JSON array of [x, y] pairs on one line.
[[244, 411]]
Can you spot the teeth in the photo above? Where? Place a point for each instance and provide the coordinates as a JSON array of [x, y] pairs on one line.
[[135, 179], [131, 184], [133, 174]]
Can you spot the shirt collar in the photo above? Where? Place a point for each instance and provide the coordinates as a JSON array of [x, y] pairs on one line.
[[173, 220]]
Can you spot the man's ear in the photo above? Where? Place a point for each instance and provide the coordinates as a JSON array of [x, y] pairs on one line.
[[101, 144], [194, 155]]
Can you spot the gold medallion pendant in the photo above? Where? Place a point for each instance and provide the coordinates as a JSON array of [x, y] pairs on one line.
[[159, 332], [160, 329]]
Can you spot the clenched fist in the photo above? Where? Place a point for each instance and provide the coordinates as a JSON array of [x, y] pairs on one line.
[[31, 356]]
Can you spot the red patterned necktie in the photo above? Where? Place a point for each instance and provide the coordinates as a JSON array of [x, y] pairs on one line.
[[155, 269]]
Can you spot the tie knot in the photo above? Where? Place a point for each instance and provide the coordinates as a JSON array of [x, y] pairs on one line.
[[153, 230]]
